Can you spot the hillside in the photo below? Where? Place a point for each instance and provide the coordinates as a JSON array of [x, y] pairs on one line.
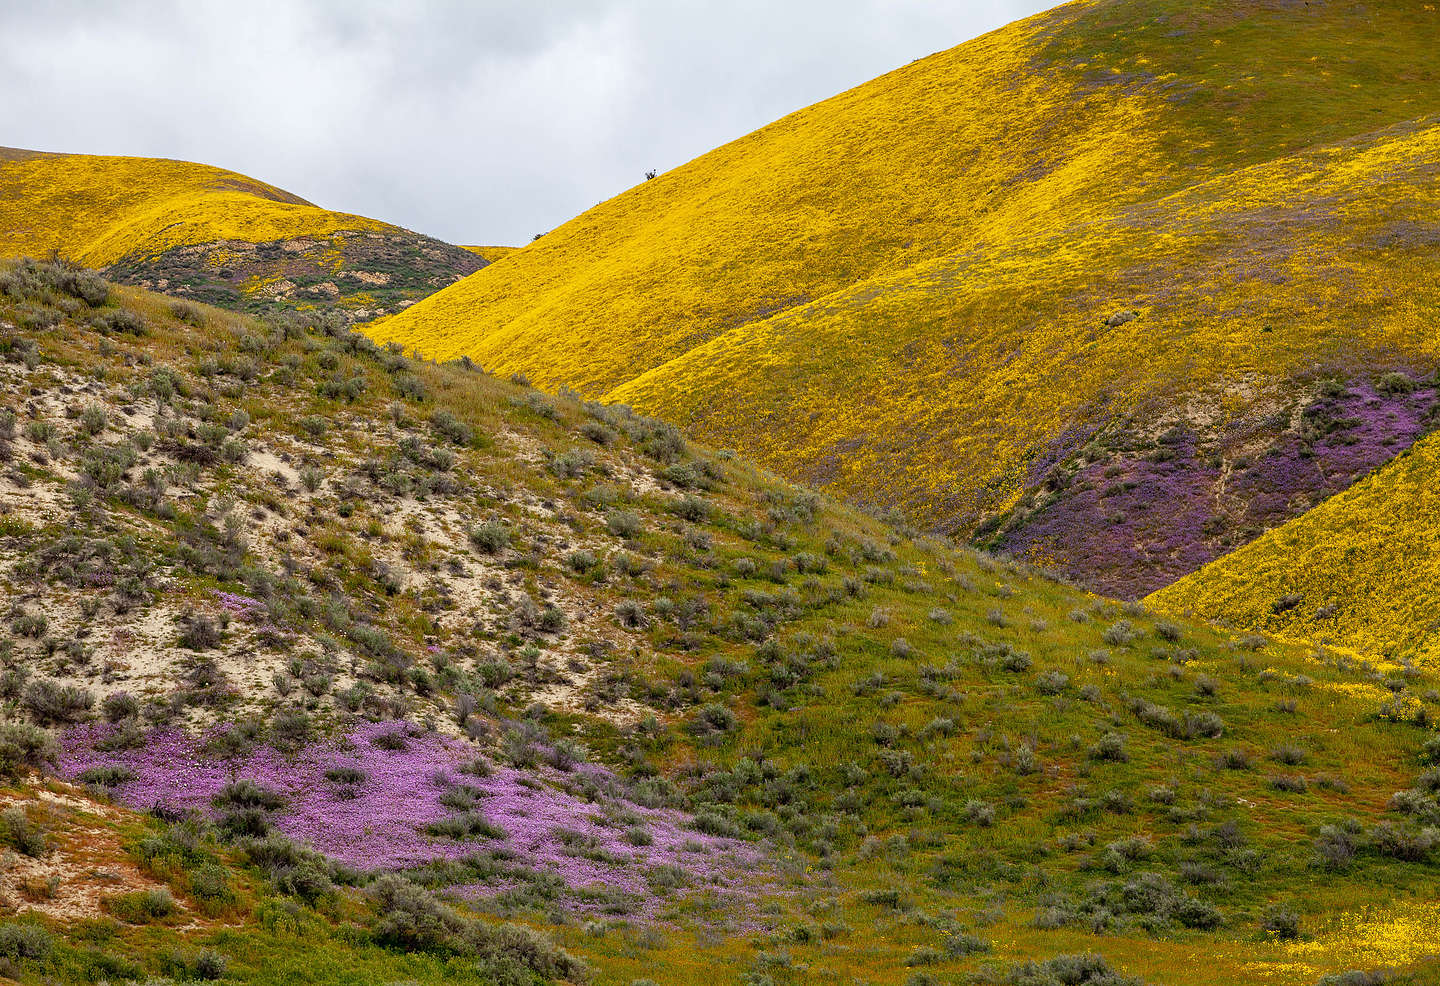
[[208, 235], [1077, 289], [1360, 570], [406, 664]]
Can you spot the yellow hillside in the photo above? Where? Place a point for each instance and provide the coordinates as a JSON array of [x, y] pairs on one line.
[[902, 292], [1361, 569], [490, 253], [98, 209]]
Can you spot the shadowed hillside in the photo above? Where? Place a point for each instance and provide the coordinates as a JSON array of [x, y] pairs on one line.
[[1361, 569], [1083, 289], [204, 234], [384, 667]]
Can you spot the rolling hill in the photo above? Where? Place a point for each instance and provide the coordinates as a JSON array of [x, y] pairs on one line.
[[1115, 289], [209, 235], [351, 667]]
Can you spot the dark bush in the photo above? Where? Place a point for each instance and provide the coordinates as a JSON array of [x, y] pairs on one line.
[[491, 538], [245, 793], [21, 834], [624, 524], [1281, 922], [107, 776], [713, 720], [451, 428], [23, 745], [1068, 970], [410, 918], [55, 704], [198, 632], [1110, 748], [24, 941], [142, 906]]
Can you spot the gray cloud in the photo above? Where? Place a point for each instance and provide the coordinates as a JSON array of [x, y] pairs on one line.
[[478, 122]]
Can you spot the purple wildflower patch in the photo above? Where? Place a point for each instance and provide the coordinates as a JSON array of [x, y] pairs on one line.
[[576, 827], [1144, 516]]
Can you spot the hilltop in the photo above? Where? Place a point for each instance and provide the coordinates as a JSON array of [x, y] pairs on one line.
[[391, 668], [1115, 289], [214, 236]]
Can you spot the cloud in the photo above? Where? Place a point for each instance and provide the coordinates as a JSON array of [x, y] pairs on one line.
[[481, 121]]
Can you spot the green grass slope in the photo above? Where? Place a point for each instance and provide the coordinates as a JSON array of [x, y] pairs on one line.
[[211, 235], [991, 281], [305, 600]]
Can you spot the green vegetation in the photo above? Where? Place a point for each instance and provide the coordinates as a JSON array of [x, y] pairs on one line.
[[980, 767]]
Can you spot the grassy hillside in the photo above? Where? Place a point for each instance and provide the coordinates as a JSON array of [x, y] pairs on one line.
[[210, 235], [403, 658], [1119, 244], [1361, 569]]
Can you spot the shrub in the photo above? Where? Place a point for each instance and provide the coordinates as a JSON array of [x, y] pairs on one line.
[[1110, 748], [581, 560], [208, 965], [1052, 683], [93, 420], [1334, 848], [24, 941], [211, 882], [624, 524], [21, 834], [52, 703], [1288, 754], [466, 825], [491, 537], [119, 705], [30, 625], [1281, 922], [691, 508], [199, 632], [631, 614], [1067, 970], [393, 739], [1234, 759], [1120, 633], [245, 793], [107, 776], [962, 943], [980, 813], [713, 720], [22, 745], [451, 428], [1395, 384], [924, 955], [142, 906], [346, 775], [1354, 977], [409, 917]]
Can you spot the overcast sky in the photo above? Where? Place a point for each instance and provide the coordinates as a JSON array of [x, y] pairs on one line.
[[478, 122]]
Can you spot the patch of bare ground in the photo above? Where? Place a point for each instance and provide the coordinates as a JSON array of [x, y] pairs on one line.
[[83, 862]]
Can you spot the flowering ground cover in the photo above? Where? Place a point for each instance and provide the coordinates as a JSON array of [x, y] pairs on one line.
[[1138, 514], [385, 798], [911, 293]]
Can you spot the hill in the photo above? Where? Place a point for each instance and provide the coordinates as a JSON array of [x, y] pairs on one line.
[[209, 235], [390, 667], [1359, 570], [1077, 289]]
